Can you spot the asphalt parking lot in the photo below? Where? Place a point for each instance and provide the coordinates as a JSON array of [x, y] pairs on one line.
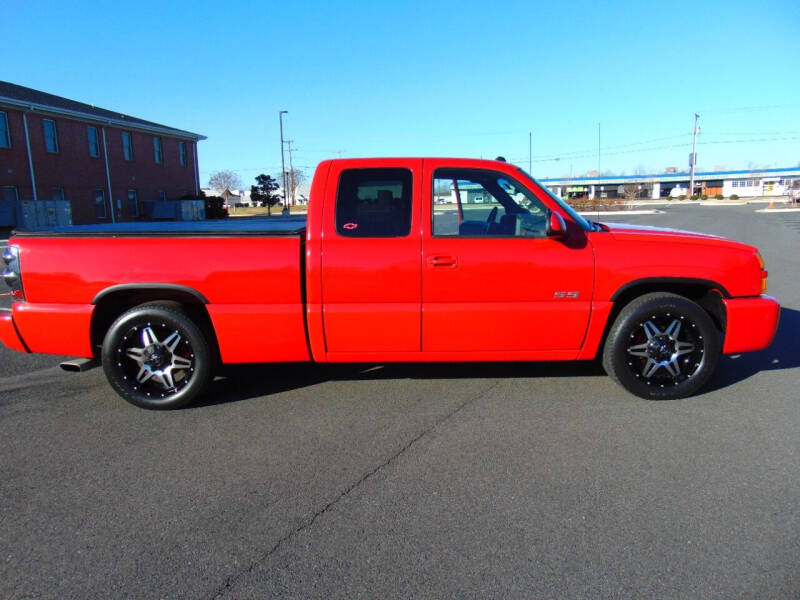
[[431, 481]]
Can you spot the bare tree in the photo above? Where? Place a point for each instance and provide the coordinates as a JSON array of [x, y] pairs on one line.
[[631, 191], [225, 180], [294, 179]]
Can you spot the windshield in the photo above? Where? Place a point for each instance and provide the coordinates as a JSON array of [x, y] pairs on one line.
[[567, 208]]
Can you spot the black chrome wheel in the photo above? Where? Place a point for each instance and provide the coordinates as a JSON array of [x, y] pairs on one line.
[[156, 357], [661, 346], [158, 367], [665, 349]]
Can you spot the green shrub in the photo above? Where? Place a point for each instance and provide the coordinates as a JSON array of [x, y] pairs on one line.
[[682, 197], [734, 197], [703, 196], [694, 196], [719, 196]]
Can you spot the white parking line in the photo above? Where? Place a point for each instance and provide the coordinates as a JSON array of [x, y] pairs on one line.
[[621, 212]]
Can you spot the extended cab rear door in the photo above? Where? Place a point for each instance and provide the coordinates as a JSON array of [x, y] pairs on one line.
[[370, 260], [493, 282]]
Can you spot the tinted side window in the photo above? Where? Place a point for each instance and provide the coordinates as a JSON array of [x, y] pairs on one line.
[[374, 203], [476, 203]]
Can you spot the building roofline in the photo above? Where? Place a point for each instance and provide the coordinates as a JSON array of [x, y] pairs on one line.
[[85, 115]]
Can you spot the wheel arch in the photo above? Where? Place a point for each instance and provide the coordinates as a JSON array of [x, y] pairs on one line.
[[705, 292], [115, 300]]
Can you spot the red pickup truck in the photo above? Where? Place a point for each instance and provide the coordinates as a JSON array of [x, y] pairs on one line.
[[399, 259]]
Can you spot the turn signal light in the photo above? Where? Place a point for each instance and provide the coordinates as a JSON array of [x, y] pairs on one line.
[[764, 273]]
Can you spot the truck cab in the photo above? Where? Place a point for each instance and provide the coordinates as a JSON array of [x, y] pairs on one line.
[[481, 276]]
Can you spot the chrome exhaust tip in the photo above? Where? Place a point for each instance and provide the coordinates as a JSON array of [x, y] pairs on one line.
[[80, 365]]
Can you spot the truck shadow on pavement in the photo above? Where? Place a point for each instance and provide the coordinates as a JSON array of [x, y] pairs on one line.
[[784, 353], [244, 382]]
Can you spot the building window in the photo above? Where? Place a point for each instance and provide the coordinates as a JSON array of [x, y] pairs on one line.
[[162, 195], [94, 141], [182, 153], [50, 135], [127, 145], [8, 193], [100, 204], [58, 194], [158, 155], [133, 204], [5, 135]]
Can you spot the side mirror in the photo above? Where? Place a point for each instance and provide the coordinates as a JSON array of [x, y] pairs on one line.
[[556, 227]]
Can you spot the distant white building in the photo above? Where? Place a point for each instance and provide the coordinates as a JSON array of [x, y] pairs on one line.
[[759, 182]]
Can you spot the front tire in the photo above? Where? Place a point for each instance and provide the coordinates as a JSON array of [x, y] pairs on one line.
[[156, 357], [661, 347]]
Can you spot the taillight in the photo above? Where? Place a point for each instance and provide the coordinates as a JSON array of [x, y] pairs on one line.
[[11, 274]]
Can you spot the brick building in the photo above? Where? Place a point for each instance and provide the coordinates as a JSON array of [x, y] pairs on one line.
[[52, 148]]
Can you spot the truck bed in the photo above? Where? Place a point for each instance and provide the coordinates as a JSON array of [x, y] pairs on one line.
[[247, 274], [235, 226]]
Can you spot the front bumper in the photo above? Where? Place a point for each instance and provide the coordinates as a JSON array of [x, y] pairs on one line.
[[751, 323], [8, 332]]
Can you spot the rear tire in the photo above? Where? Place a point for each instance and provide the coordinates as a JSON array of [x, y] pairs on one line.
[[156, 357], [661, 347]]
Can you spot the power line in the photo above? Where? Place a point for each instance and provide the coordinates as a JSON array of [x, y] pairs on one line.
[[592, 154], [613, 150]]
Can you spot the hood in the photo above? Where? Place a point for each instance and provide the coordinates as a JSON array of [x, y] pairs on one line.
[[625, 231]]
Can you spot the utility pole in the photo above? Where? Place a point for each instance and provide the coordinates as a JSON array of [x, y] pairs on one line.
[[289, 149], [598, 148], [693, 157], [530, 153], [283, 165]]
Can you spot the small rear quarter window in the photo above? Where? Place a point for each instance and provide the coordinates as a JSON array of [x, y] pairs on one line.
[[374, 203]]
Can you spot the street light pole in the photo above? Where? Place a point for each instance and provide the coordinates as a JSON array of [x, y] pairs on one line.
[[693, 157], [283, 165]]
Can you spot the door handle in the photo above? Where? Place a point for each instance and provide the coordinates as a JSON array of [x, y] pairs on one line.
[[442, 261]]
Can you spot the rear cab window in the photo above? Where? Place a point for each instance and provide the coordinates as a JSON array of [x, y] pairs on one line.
[[374, 203]]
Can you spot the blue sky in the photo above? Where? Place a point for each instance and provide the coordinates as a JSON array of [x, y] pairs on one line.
[[432, 78]]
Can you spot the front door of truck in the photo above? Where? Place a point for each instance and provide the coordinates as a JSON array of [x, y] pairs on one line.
[[493, 281], [371, 244]]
